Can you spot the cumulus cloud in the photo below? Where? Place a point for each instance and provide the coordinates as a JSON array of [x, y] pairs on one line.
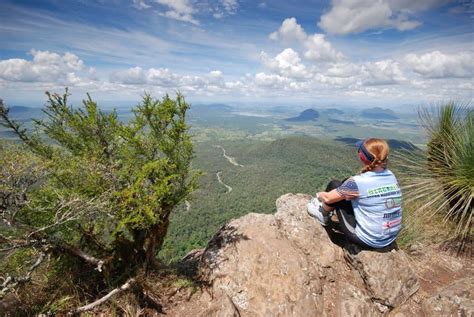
[[289, 31], [44, 67], [287, 63], [165, 78], [317, 47], [378, 73], [270, 80], [348, 16], [181, 10], [343, 70], [385, 72], [439, 65]]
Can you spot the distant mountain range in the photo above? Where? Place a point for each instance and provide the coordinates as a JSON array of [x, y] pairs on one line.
[[332, 111], [341, 121], [379, 113], [392, 143], [25, 113], [21, 109], [306, 115]]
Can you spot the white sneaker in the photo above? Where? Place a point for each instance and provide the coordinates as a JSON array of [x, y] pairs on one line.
[[314, 208]]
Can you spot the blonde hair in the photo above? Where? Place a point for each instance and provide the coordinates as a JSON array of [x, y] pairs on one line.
[[379, 150]]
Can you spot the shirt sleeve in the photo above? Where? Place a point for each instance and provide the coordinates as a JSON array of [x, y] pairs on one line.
[[348, 189]]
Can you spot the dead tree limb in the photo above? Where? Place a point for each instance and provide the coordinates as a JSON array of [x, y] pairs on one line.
[[9, 283], [105, 298], [86, 257]]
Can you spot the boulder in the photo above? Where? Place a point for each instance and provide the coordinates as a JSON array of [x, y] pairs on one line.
[[388, 278], [287, 264], [457, 299]]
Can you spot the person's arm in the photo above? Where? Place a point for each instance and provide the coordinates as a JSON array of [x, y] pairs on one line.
[[330, 197], [348, 190]]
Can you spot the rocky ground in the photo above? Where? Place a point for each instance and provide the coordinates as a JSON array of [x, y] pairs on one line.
[[287, 264]]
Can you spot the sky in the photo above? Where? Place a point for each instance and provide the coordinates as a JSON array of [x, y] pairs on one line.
[[340, 52]]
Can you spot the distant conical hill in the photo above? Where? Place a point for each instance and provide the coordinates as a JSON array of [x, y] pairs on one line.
[[379, 113], [306, 115]]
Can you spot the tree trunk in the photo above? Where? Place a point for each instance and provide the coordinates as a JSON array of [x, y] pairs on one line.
[[156, 238]]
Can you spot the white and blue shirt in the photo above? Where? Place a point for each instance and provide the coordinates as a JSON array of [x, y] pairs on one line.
[[376, 200]]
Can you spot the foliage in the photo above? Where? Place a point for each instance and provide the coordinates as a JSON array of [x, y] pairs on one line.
[[270, 169], [98, 189], [442, 177]]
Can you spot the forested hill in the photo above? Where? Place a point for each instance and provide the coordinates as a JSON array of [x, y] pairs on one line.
[[270, 169], [306, 115]]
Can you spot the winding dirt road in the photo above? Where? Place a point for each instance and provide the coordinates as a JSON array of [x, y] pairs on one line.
[[229, 158], [218, 174]]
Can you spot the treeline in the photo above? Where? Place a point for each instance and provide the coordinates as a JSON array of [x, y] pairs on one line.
[[271, 169]]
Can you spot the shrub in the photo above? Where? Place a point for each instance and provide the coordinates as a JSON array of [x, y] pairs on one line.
[[95, 188], [442, 176]]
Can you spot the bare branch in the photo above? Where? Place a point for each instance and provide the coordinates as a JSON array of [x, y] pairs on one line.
[[9, 283], [105, 298], [86, 257]]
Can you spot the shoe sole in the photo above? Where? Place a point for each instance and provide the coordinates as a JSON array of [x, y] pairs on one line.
[[316, 217]]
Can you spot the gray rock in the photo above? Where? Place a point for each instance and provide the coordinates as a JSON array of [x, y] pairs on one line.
[[457, 299], [286, 265], [389, 279]]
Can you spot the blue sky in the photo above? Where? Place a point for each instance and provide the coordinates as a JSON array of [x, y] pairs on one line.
[[294, 52]]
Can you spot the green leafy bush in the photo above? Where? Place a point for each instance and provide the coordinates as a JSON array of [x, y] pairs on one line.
[[94, 188]]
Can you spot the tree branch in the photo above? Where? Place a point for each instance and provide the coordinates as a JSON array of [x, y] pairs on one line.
[[79, 253], [11, 282], [105, 298]]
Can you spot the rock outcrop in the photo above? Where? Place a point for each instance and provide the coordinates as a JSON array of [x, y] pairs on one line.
[[287, 264], [456, 299]]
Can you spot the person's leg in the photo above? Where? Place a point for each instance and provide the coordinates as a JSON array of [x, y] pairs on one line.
[[345, 215], [333, 185], [344, 204], [347, 223], [318, 209]]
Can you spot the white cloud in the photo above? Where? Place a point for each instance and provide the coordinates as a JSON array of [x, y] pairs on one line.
[[289, 31], [438, 65], [317, 47], [131, 76], [222, 8], [181, 10], [141, 4], [348, 16], [230, 6], [385, 72], [165, 78], [287, 63], [413, 78], [270, 80], [45, 67], [350, 75], [343, 70]]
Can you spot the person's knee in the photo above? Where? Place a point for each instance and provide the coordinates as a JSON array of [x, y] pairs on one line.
[[333, 185]]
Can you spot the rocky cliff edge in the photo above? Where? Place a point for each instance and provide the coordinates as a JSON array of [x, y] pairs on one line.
[[287, 264]]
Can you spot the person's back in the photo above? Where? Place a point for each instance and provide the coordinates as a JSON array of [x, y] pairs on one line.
[[377, 208], [367, 205]]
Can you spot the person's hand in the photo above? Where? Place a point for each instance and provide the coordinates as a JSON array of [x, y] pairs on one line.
[[320, 195]]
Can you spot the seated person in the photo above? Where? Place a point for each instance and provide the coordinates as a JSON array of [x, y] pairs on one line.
[[367, 205]]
